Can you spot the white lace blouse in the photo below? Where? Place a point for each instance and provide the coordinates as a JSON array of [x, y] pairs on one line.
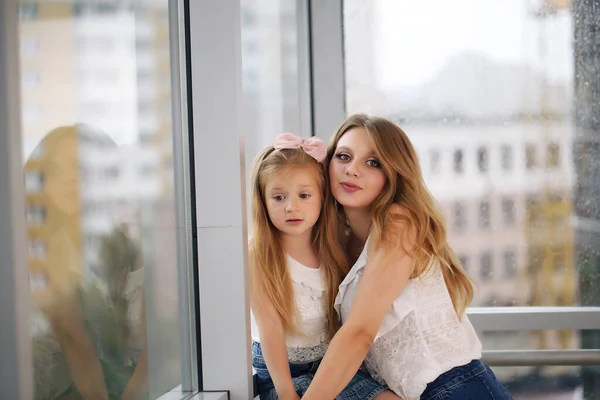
[[421, 336], [310, 293]]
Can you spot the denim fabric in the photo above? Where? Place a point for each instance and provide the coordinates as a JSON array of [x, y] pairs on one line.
[[361, 387], [473, 381]]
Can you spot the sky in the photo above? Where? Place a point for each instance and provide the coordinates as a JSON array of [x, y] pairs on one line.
[[440, 29]]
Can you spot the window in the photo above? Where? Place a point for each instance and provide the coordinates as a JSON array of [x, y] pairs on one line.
[[535, 259], [464, 261], [434, 161], [38, 249], [533, 209], [34, 181], [530, 156], [38, 281], [28, 11], [482, 159], [36, 215], [460, 216], [484, 214], [250, 48], [486, 271], [249, 17], [506, 157], [458, 162], [147, 170], [111, 173], [553, 155], [30, 79], [30, 46], [510, 264], [128, 284], [31, 114], [508, 211]]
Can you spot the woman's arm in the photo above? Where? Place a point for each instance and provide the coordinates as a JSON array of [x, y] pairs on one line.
[[272, 338], [67, 322], [386, 274]]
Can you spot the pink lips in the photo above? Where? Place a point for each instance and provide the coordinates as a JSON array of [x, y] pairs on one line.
[[350, 187], [293, 221]]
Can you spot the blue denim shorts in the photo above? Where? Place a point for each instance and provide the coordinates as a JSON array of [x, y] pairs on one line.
[[473, 381], [361, 387]]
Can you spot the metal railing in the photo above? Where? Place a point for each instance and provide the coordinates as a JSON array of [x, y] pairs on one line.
[[518, 358]]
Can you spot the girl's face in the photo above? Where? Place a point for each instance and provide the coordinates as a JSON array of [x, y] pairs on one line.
[[293, 199]]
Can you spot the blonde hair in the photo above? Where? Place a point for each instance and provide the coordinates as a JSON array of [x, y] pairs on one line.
[[269, 266], [405, 186]]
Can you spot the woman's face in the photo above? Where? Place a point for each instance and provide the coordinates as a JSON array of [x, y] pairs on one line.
[[355, 172]]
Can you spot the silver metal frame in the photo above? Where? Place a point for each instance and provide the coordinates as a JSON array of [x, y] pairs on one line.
[[179, 394], [517, 358], [304, 68], [534, 318], [16, 376], [327, 62], [184, 204]]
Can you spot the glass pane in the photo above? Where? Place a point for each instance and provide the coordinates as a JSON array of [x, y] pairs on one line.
[[491, 112], [271, 82], [100, 199], [506, 124], [270, 71]]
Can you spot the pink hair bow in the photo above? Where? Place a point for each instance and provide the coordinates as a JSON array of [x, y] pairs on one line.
[[312, 146]]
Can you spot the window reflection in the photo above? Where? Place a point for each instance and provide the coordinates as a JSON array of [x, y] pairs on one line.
[[100, 200]]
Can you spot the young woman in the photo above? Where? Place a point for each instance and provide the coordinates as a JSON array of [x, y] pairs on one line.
[[403, 302]]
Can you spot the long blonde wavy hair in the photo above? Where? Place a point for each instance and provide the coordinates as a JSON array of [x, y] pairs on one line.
[[269, 266], [406, 187]]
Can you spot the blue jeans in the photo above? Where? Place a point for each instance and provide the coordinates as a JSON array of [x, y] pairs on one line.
[[361, 387], [474, 381]]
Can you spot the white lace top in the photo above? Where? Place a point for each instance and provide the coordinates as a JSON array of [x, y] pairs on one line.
[[421, 336], [310, 294]]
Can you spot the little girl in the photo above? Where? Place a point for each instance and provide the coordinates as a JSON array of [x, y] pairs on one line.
[[296, 265]]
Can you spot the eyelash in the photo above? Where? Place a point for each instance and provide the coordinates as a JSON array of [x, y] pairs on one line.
[[341, 155], [345, 157], [302, 196]]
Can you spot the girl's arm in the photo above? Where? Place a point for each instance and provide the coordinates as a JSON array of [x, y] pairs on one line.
[[272, 338], [387, 272]]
